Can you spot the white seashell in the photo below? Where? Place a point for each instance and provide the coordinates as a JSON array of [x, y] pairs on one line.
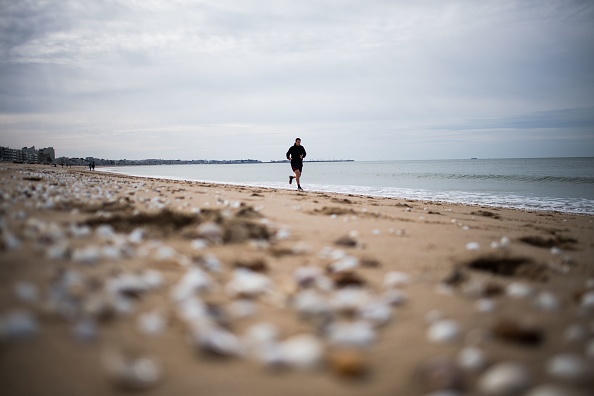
[[485, 305], [248, 283], [262, 333], [194, 280], [568, 366], [518, 290], [502, 379], [105, 231], [152, 279], [379, 313], [351, 334], [87, 255], [164, 253], [132, 371], [79, 231], [504, 242], [395, 297], [473, 246], [472, 359], [216, 340], [18, 325], [26, 292], [111, 253], [395, 279], [553, 390], [302, 351], [152, 323], [58, 251], [347, 263], [199, 244], [547, 301], [212, 263], [349, 299], [191, 309], [311, 303], [444, 331], [136, 236], [211, 232], [588, 300]]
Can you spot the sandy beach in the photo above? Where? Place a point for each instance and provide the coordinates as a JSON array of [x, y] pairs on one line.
[[111, 284]]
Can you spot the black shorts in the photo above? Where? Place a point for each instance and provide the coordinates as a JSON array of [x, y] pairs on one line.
[[297, 166]]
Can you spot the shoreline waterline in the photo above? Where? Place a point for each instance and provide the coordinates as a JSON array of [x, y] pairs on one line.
[[540, 204]]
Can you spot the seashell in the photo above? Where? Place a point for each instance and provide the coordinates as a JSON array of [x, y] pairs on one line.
[[518, 290], [246, 283], [126, 284], [215, 340], [131, 370], [307, 275], [471, 359], [395, 297], [283, 234], [553, 390], [210, 231], [79, 231], [395, 279], [506, 378], [111, 253], [351, 334], [87, 255], [191, 309], [349, 299], [262, 333], [473, 246], [310, 303], [59, 251], [547, 301], [588, 300], [194, 280], [18, 325], [199, 244], [105, 231], [346, 263], [26, 292], [152, 323], [444, 331], [441, 374], [303, 351], [377, 312], [136, 237], [152, 279], [568, 366], [212, 263], [164, 253], [349, 363]]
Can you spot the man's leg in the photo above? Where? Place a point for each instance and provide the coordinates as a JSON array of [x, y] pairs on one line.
[[297, 176]]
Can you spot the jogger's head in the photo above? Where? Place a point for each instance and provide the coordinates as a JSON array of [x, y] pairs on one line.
[[298, 141]]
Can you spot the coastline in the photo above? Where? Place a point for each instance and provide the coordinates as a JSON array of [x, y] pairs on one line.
[[480, 268]]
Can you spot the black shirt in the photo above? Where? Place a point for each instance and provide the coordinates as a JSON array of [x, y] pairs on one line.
[[295, 152]]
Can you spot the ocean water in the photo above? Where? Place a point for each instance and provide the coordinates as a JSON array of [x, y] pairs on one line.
[[544, 184]]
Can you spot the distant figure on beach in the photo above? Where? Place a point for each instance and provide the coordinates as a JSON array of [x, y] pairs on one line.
[[296, 154], [92, 165]]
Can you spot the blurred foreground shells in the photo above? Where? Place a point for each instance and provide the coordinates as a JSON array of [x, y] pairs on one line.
[[132, 370]]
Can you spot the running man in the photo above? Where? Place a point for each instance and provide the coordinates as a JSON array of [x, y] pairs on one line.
[[296, 154]]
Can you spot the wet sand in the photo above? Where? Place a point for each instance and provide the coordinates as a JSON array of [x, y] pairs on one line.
[[358, 295]]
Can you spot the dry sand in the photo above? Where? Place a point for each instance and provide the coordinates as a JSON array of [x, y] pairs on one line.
[[68, 235]]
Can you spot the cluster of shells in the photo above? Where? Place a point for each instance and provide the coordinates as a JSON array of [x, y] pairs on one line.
[[344, 315]]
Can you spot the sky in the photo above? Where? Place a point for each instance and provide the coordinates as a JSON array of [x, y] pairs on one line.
[[238, 79]]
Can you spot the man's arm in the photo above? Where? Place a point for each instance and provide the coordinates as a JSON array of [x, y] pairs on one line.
[[304, 153], [289, 154]]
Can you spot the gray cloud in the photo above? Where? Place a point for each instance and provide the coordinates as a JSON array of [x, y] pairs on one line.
[[371, 79]]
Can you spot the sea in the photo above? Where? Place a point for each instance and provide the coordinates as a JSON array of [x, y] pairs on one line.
[[540, 184]]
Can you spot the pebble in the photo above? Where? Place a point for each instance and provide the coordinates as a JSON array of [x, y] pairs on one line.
[[444, 331], [348, 363], [503, 379]]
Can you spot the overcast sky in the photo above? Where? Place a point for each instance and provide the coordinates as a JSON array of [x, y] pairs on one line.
[[364, 80]]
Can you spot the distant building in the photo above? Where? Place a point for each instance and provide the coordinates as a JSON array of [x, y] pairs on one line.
[[46, 155]]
